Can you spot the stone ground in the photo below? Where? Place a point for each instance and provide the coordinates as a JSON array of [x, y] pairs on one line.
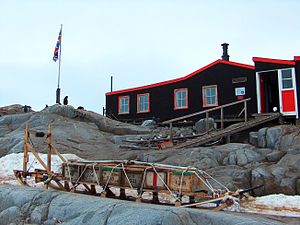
[[23, 205], [273, 159]]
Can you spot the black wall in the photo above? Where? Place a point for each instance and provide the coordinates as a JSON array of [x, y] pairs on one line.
[[162, 97], [263, 66]]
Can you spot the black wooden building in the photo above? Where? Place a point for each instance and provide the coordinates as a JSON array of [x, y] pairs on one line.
[[272, 85], [218, 83]]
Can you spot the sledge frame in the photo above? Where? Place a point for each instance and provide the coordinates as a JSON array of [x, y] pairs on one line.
[[175, 181]]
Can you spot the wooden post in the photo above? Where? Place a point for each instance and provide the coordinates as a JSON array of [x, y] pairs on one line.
[[49, 148], [25, 160], [171, 132], [245, 107], [206, 122], [222, 118]]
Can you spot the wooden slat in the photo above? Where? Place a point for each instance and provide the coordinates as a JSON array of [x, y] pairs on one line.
[[38, 158], [227, 131]]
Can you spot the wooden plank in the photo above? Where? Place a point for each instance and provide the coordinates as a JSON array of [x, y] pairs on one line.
[[38, 158], [227, 131], [25, 150]]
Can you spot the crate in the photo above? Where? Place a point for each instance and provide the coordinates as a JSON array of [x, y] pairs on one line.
[[154, 182], [189, 180], [71, 172], [135, 178], [115, 176]]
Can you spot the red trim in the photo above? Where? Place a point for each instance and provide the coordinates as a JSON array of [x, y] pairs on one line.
[[204, 99], [154, 179], [296, 58], [138, 103], [186, 97], [182, 78], [276, 61], [119, 104]]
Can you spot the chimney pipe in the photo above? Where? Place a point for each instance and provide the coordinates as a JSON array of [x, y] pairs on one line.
[[225, 55]]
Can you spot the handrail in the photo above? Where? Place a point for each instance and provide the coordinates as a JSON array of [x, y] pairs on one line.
[[205, 111]]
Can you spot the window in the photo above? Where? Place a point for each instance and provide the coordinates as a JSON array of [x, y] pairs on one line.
[[181, 98], [123, 104], [209, 95], [287, 80], [143, 103]]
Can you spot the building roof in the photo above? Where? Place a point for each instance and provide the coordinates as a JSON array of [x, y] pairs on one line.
[[275, 61], [219, 61]]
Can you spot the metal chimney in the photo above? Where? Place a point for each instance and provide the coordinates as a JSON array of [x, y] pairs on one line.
[[225, 55]]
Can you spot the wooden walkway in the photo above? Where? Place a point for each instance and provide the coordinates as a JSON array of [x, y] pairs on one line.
[[215, 135]]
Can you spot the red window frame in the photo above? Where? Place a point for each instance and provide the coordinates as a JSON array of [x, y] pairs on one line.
[[138, 103], [119, 104], [204, 97], [186, 96]]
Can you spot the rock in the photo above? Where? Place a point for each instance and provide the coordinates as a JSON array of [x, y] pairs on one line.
[[261, 137], [275, 156], [291, 161], [273, 137], [119, 139], [11, 109], [201, 127], [298, 186], [279, 137], [11, 215], [253, 139], [67, 208], [149, 123], [233, 177], [242, 157]]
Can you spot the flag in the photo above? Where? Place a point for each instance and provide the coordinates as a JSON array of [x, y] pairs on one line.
[[57, 46]]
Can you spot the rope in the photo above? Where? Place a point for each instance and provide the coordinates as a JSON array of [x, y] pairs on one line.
[[181, 179], [95, 174], [105, 186], [81, 175], [162, 180], [70, 174], [143, 180], [203, 181], [214, 179], [126, 176]]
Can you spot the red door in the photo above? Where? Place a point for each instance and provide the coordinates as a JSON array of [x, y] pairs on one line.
[[288, 91]]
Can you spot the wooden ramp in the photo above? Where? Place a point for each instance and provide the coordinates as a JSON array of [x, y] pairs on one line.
[[215, 135]]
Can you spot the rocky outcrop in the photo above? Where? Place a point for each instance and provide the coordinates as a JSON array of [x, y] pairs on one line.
[[278, 137], [239, 166], [22, 205], [86, 134], [13, 109], [275, 163]]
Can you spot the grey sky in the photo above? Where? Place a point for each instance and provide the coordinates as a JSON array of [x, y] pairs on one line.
[[138, 42]]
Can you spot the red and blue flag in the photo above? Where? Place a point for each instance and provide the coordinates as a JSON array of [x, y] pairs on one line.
[[57, 46]]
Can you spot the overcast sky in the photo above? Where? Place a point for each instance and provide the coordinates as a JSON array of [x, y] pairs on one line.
[[139, 42]]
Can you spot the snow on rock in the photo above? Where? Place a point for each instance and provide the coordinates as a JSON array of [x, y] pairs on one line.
[[275, 204], [14, 161]]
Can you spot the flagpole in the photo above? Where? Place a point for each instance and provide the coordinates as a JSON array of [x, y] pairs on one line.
[[58, 80]]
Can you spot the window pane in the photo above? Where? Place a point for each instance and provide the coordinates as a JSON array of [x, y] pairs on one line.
[[124, 105], [287, 84], [210, 95], [143, 103], [287, 74], [181, 99]]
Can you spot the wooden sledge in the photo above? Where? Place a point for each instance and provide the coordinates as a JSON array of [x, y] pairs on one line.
[[98, 177]]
